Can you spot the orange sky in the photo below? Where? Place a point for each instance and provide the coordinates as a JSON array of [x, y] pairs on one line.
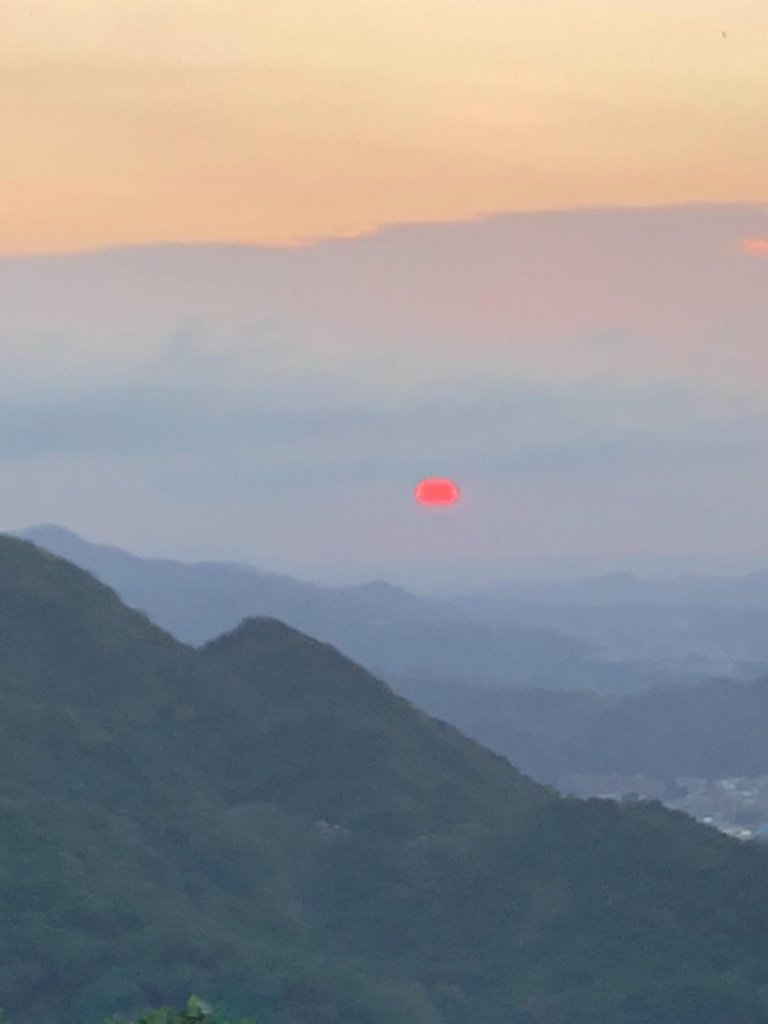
[[133, 121]]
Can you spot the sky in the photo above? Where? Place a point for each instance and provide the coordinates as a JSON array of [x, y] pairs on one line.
[[132, 121], [265, 265]]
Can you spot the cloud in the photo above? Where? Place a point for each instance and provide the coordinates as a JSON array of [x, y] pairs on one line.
[[551, 296], [756, 246], [195, 429], [570, 370]]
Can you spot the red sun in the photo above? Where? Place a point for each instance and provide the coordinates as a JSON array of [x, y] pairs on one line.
[[436, 490]]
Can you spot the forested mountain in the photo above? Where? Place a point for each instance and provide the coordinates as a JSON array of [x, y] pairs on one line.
[[264, 823]]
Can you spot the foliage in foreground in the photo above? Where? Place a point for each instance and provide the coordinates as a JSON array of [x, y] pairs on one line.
[[194, 1011]]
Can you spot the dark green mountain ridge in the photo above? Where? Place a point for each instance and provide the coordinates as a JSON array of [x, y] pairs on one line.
[[264, 823]]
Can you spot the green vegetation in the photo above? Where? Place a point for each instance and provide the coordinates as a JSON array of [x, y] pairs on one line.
[[194, 1011], [264, 822]]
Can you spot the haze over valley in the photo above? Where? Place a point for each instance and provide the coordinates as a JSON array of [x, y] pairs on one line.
[[589, 378]]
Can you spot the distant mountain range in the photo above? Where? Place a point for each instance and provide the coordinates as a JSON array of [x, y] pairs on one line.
[[387, 629], [264, 823], [689, 623], [625, 588], [504, 687], [487, 639], [711, 730], [729, 640]]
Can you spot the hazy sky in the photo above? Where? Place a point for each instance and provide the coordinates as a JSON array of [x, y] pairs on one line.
[[129, 121], [594, 378], [595, 382]]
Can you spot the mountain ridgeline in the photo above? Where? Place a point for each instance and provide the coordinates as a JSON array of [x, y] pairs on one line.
[[385, 628], [262, 822], [390, 631]]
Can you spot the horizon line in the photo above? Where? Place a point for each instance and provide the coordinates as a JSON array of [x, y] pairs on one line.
[[303, 572]]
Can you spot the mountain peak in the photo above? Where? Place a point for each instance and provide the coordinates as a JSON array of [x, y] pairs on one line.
[[261, 642], [49, 530], [65, 543], [26, 565], [37, 586], [50, 534], [262, 629]]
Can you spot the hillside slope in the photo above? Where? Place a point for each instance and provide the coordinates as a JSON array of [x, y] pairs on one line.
[[264, 823]]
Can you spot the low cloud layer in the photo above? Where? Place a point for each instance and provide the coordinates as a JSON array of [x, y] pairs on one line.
[[595, 381]]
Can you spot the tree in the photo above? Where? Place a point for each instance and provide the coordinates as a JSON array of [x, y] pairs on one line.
[[195, 1011]]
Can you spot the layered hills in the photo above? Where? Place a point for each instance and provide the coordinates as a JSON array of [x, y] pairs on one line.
[[391, 631], [710, 730], [263, 822], [384, 627]]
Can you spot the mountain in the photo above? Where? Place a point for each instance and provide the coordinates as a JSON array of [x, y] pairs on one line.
[[389, 630], [266, 824], [625, 588], [478, 641], [709, 731], [714, 625]]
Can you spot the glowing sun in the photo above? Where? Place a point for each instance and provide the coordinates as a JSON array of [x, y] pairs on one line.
[[435, 490]]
